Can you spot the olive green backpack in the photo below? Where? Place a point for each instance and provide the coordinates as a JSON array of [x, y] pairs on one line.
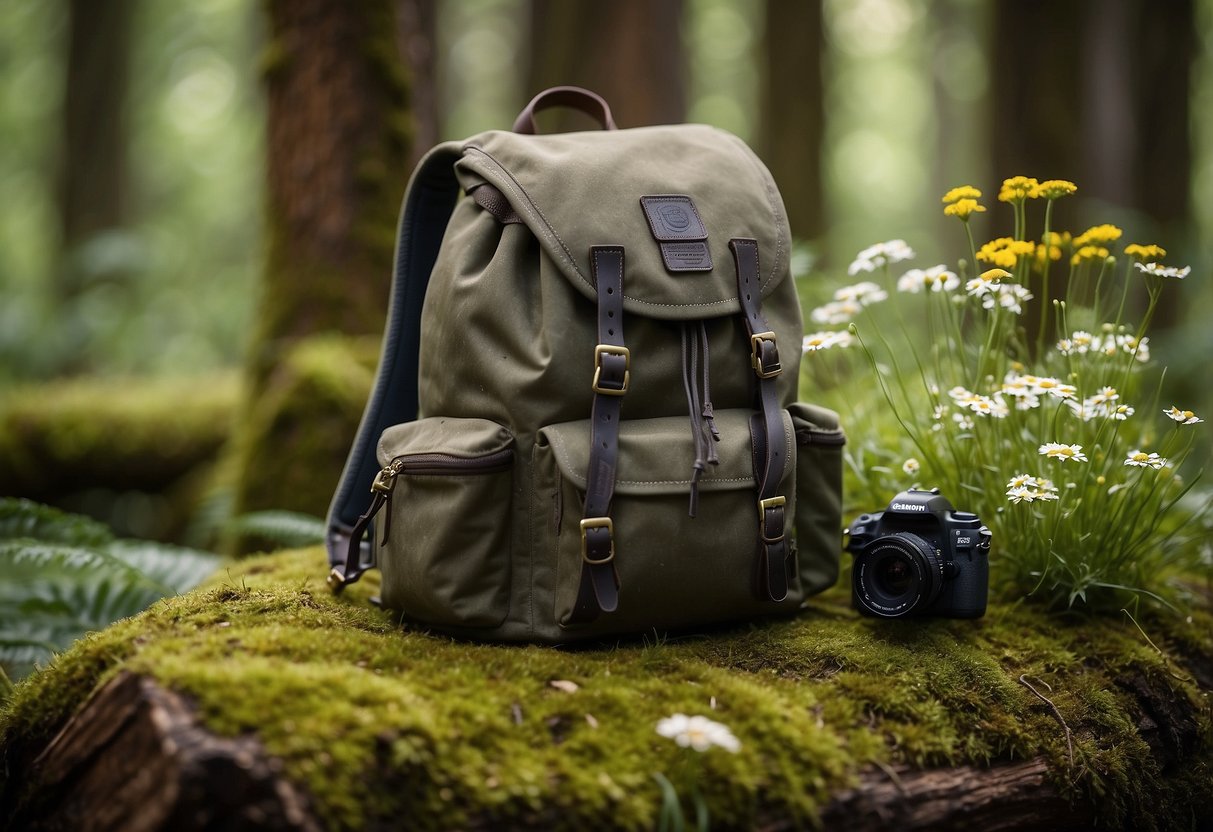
[[585, 419]]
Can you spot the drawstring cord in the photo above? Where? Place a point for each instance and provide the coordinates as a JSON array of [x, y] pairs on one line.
[[704, 434]]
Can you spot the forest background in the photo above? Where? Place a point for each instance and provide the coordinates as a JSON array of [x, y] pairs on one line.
[[147, 218]]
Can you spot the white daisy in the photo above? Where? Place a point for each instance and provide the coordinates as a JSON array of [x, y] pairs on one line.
[[1142, 459], [1081, 341], [817, 341], [698, 732], [865, 293], [1159, 270], [835, 312], [911, 466], [1058, 450], [881, 254], [935, 279], [1065, 346], [1184, 417]]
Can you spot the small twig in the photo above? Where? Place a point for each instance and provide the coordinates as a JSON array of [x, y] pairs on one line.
[[1166, 662], [892, 775], [1023, 680]]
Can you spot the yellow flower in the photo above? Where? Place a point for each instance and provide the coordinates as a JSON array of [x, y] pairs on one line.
[[994, 275], [962, 208], [1056, 242], [1088, 254], [1148, 252], [1019, 188], [1098, 235], [1005, 251], [1055, 188], [963, 192]]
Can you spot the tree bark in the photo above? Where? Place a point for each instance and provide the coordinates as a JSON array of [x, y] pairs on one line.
[[339, 140], [628, 51], [793, 117], [135, 758], [417, 34]]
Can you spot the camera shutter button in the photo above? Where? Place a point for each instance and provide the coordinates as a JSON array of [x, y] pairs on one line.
[[963, 515]]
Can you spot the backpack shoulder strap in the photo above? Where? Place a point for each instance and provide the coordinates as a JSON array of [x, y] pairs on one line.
[[428, 202]]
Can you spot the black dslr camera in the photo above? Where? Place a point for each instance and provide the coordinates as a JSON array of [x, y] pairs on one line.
[[920, 557]]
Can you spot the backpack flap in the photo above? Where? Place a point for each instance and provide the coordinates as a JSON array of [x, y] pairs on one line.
[[700, 186]]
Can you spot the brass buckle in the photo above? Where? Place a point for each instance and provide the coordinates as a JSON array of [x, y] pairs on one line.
[[778, 501], [608, 349], [597, 523], [755, 355], [336, 580]]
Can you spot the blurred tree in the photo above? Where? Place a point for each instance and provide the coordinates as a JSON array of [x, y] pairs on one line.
[[793, 116], [93, 180], [1100, 94], [417, 32], [339, 141], [629, 51]]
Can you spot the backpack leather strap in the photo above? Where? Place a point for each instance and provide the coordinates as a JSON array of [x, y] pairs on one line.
[[599, 588], [773, 551]]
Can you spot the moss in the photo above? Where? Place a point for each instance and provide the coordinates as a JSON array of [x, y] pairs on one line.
[[292, 447], [381, 724], [79, 445]]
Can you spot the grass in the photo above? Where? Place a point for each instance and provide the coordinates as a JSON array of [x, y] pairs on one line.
[[385, 725]]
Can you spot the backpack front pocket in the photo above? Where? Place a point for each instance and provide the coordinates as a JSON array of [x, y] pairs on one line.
[[675, 570], [443, 542]]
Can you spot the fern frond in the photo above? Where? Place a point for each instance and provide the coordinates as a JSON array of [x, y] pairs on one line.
[[24, 518], [287, 529]]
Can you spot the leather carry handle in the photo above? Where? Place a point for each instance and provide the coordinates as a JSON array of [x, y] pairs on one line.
[[576, 98]]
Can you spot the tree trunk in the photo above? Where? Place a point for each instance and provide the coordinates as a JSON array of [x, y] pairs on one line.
[[338, 147], [628, 51], [417, 34], [792, 119], [339, 141], [93, 165]]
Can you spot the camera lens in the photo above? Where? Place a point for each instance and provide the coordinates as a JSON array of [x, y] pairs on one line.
[[895, 574]]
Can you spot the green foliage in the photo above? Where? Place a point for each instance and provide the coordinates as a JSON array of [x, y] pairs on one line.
[[62, 576], [282, 529], [384, 726]]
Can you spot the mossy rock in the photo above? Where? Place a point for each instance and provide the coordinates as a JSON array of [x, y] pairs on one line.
[[141, 446], [297, 431], [380, 726]]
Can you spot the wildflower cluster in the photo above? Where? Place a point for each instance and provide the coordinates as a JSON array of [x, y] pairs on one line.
[[1085, 525]]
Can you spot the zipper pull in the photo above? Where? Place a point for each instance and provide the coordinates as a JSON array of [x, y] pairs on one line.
[[385, 482]]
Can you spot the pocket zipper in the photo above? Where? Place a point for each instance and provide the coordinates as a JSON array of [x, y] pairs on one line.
[[432, 464]]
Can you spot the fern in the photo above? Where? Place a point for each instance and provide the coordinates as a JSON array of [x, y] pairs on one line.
[[25, 518], [286, 529], [62, 576]]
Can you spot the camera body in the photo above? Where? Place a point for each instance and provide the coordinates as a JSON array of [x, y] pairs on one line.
[[920, 557]]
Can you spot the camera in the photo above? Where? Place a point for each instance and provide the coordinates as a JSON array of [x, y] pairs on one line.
[[920, 557]]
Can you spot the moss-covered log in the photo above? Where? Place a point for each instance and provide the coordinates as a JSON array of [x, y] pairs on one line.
[[89, 444], [924, 724]]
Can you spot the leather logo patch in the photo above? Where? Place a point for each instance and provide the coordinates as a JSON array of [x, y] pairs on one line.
[[679, 232], [673, 217]]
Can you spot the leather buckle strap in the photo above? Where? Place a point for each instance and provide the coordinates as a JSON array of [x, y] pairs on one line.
[[773, 552], [612, 369], [597, 536], [598, 591], [764, 355]]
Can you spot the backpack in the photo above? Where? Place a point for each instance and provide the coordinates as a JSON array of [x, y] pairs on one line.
[[585, 420]]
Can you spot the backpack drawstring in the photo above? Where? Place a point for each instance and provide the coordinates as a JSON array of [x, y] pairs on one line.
[[703, 423]]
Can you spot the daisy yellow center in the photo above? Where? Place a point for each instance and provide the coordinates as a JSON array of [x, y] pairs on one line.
[[1140, 457]]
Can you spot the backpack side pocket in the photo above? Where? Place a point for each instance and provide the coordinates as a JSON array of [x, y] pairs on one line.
[[819, 441], [444, 541]]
